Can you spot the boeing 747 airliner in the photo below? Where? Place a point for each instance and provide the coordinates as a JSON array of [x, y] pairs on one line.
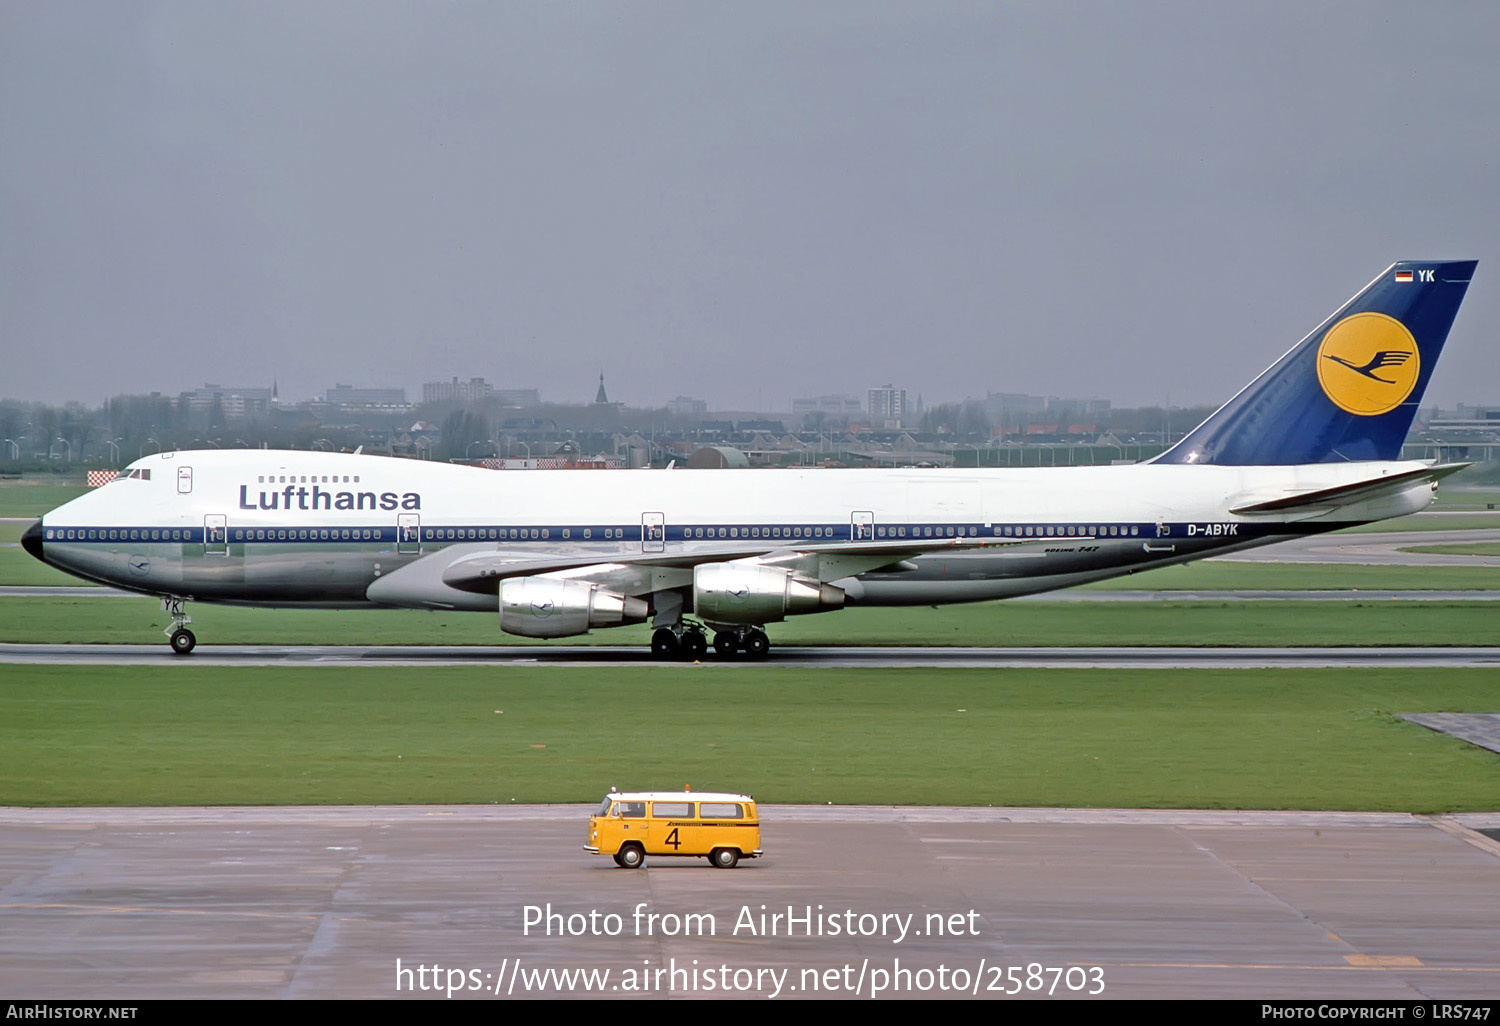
[[1311, 445]]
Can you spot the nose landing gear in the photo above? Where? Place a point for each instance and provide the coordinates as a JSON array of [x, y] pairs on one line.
[[181, 639]]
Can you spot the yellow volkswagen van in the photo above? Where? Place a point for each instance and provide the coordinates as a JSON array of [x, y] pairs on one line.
[[722, 828]]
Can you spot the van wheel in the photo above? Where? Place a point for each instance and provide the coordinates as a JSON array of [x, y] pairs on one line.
[[725, 858], [631, 857]]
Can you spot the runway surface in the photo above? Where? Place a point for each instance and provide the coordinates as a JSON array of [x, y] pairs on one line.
[[1383, 548], [1085, 904], [783, 656]]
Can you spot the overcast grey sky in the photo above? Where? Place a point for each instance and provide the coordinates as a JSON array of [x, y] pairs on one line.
[[742, 202]]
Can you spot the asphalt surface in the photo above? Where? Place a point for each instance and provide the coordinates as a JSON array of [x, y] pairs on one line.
[[785, 656], [1085, 904]]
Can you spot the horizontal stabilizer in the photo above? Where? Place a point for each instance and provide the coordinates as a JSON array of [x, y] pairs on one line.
[[1343, 495]]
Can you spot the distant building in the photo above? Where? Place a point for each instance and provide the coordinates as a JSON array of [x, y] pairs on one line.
[[838, 405], [1010, 409], [887, 406], [685, 405], [518, 398], [455, 391], [601, 398], [233, 402], [348, 395], [1015, 409]]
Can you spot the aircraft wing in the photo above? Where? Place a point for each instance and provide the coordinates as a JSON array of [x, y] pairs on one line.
[[482, 572]]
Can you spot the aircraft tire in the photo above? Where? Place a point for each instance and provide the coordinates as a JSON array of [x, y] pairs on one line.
[[664, 644], [725, 645], [694, 646], [757, 644], [183, 641]]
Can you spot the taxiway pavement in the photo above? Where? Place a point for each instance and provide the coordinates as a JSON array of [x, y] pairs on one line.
[[406, 902]]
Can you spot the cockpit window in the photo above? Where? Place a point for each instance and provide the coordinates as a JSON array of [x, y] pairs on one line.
[[139, 474]]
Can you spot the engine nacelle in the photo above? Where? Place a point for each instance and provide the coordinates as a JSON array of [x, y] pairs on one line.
[[544, 607], [751, 593]]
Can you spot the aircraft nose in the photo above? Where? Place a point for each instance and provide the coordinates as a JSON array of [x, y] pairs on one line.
[[31, 540]]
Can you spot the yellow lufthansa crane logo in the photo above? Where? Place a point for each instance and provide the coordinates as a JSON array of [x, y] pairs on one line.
[[1368, 364]]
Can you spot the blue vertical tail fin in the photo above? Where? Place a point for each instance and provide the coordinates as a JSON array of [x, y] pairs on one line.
[[1349, 390]]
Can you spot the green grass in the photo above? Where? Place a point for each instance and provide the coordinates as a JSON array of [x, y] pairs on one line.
[[34, 498], [19, 569], [1460, 497], [1212, 739], [1455, 521], [1459, 549], [1229, 575], [86, 620]]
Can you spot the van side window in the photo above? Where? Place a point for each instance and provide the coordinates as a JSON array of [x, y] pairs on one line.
[[672, 810], [722, 810], [631, 810]]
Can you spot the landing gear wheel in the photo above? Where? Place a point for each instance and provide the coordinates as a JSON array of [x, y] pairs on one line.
[[694, 645], [726, 645], [631, 857], [757, 644], [664, 644], [183, 641], [724, 858]]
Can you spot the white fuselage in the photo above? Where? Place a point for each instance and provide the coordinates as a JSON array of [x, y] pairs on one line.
[[266, 527]]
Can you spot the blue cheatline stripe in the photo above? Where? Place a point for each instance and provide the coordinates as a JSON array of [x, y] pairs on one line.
[[788, 534]]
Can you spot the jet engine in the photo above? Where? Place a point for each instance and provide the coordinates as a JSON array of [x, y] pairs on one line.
[[544, 607], [751, 593]]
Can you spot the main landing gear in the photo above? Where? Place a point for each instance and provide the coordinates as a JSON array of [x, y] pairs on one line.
[[181, 639], [690, 643]]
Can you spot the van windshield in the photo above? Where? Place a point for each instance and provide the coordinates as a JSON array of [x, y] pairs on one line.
[[604, 807]]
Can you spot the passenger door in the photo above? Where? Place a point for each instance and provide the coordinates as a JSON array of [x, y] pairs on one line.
[[408, 533], [653, 532], [215, 534]]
